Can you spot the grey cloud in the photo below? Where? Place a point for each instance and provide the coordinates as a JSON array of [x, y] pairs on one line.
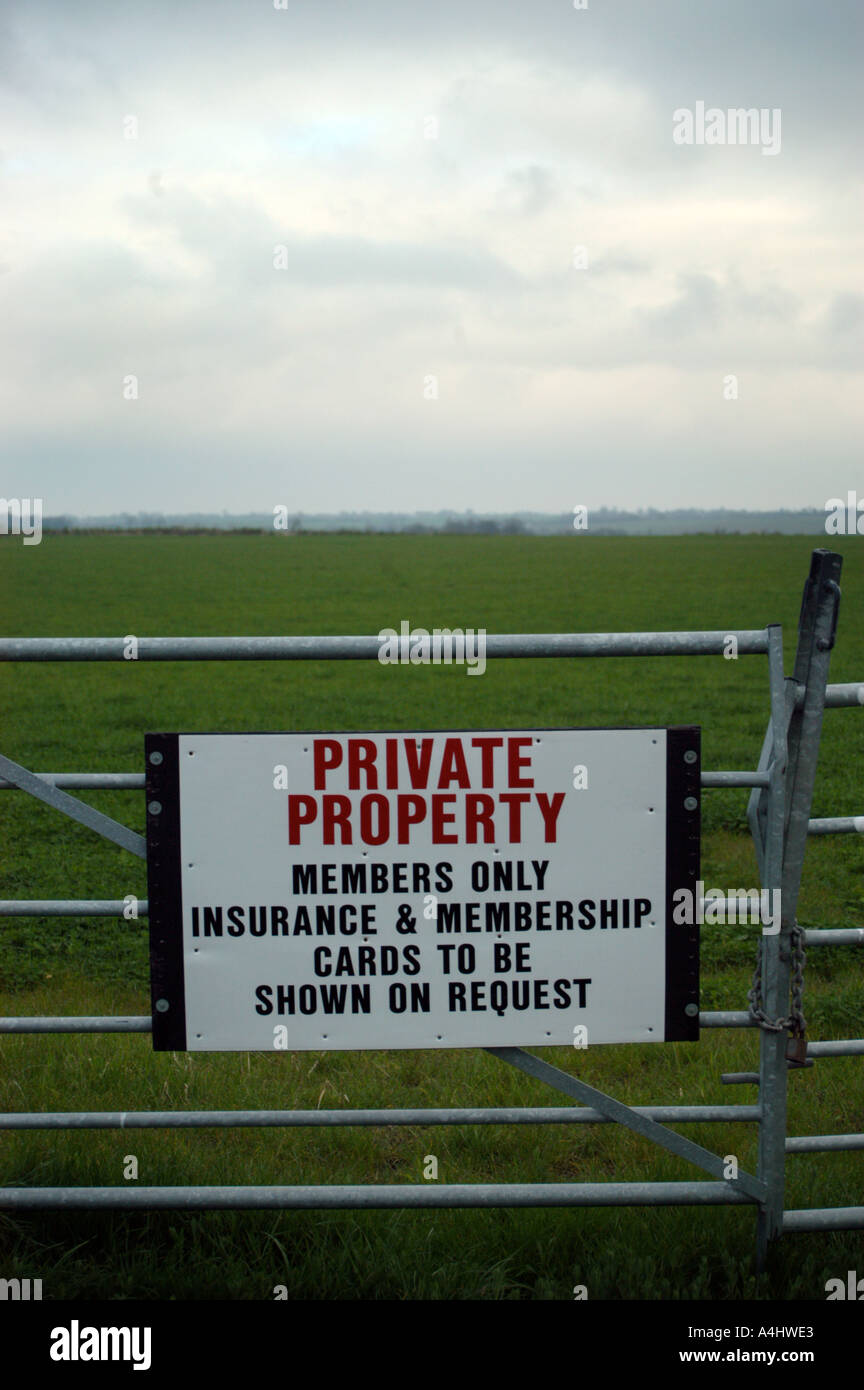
[[618, 263], [770, 302], [846, 313], [352, 260], [704, 302], [240, 241], [529, 190], [697, 306]]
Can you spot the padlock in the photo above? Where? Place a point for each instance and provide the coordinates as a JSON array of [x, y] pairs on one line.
[[796, 1050]]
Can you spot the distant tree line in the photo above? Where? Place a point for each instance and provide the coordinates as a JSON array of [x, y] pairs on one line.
[[602, 521]]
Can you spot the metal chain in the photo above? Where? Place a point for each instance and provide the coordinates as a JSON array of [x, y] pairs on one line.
[[795, 1023]]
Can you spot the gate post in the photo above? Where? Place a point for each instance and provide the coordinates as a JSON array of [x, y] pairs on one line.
[[788, 814]]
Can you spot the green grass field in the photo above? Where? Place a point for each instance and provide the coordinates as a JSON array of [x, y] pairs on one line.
[[93, 717]]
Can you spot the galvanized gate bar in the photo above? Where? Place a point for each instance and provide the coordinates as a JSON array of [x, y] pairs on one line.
[[87, 781], [69, 907], [136, 781], [80, 1023], [624, 1115], [824, 1143], [114, 1023], [817, 627], [824, 1219], [561, 1194], [750, 642], [836, 825], [522, 1115], [841, 696], [70, 806], [766, 814], [772, 763], [734, 779], [834, 936]]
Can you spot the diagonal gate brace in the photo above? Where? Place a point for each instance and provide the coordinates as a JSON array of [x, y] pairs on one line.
[[70, 806], [624, 1115]]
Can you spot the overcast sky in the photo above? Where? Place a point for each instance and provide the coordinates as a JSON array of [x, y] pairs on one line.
[[336, 244]]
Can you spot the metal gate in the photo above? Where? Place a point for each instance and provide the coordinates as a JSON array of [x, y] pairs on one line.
[[779, 818]]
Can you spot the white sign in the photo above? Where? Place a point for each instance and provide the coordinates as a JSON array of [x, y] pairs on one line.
[[421, 890]]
